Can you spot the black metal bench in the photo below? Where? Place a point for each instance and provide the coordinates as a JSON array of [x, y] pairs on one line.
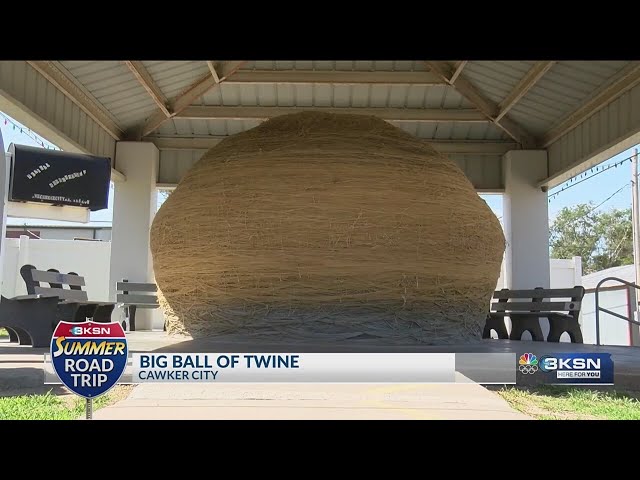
[[132, 296], [73, 303], [525, 315], [29, 321]]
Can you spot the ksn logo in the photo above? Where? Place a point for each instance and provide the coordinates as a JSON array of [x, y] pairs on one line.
[[90, 331]]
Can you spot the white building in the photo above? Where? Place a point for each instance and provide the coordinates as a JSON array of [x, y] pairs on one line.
[[613, 296]]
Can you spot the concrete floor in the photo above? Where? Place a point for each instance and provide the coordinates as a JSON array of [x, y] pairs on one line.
[[310, 402]]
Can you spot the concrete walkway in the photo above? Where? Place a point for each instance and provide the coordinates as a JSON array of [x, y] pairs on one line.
[[310, 402], [296, 401]]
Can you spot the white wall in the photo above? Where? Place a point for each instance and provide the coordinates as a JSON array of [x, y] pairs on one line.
[[88, 259], [66, 233], [613, 330], [565, 273], [103, 234]]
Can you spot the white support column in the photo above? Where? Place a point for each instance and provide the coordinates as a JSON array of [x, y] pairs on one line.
[[135, 204], [526, 220], [526, 223]]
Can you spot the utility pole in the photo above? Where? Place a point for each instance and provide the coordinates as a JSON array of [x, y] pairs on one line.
[[633, 292], [635, 216]]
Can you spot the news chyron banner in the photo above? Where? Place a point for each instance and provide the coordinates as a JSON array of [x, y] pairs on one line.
[[311, 367], [89, 357], [498, 368]]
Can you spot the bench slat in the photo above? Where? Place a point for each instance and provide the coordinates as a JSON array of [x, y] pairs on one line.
[[136, 287], [150, 305], [544, 293], [136, 299], [53, 277], [528, 306], [63, 293]]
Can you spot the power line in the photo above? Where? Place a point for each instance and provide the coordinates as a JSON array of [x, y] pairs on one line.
[[29, 133], [598, 172], [610, 197], [604, 201]]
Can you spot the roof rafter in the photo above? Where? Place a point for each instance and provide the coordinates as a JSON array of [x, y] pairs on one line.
[[195, 91], [405, 114], [336, 77], [458, 71], [525, 84], [146, 80], [84, 100], [489, 108], [451, 147], [212, 69]]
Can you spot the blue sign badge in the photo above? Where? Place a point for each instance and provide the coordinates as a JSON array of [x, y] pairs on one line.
[[89, 357]]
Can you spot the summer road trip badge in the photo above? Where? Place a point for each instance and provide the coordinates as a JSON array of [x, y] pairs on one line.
[[88, 357]]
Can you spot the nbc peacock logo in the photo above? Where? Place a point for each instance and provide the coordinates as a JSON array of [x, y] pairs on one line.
[[528, 363]]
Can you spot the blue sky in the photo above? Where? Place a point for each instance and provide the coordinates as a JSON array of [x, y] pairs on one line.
[[597, 189]]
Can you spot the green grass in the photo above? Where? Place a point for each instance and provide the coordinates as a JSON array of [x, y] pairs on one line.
[[556, 402], [47, 407]]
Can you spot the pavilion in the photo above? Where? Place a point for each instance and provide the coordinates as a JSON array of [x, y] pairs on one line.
[[514, 127]]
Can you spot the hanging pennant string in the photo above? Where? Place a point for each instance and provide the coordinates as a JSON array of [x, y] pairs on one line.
[[34, 136], [601, 169]]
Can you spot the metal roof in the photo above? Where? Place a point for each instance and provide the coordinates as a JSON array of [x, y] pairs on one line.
[[175, 77], [560, 91], [496, 79], [340, 65], [331, 95], [481, 105], [113, 86], [126, 100]]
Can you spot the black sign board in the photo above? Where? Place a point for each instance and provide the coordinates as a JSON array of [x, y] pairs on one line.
[[59, 178]]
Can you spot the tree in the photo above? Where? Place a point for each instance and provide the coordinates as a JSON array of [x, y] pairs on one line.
[[603, 240]]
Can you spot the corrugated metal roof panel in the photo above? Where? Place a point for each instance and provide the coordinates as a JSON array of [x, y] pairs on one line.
[[457, 131], [75, 129], [327, 95], [425, 130], [484, 172], [620, 119], [174, 164], [186, 127], [560, 91], [496, 79], [115, 88], [175, 77], [359, 65]]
